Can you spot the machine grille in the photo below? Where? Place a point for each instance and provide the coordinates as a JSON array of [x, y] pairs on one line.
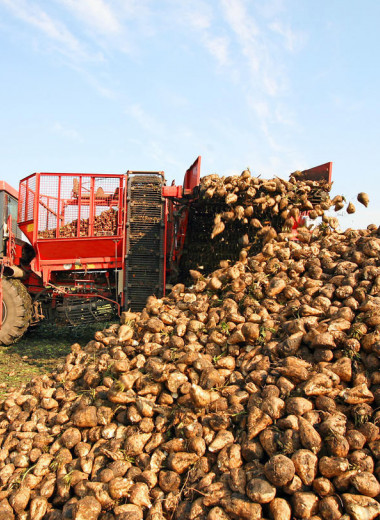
[[76, 311]]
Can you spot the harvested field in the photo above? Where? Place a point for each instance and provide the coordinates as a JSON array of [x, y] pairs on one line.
[[253, 393], [38, 353]]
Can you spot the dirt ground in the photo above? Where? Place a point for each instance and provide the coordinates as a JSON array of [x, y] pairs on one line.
[[39, 352]]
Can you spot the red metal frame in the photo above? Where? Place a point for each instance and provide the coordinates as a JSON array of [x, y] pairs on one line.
[[323, 172], [11, 244], [56, 252], [166, 218], [192, 176], [178, 212]]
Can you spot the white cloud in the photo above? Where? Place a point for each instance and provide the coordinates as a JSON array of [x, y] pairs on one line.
[[80, 51], [285, 116], [69, 133], [239, 19], [199, 18], [55, 30], [218, 46], [146, 121], [134, 9], [102, 26], [198, 21], [247, 45], [251, 44], [261, 108], [257, 48], [245, 29], [95, 13], [260, 59], [161, 156], [270, 8], [196, 14], [291, 38], [98, 83]]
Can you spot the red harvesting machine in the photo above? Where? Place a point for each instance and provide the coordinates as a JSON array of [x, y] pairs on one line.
[[96, 244]]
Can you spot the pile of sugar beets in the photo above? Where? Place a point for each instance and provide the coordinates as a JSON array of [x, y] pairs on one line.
[[246, 212], [252, 394], [105, 224]]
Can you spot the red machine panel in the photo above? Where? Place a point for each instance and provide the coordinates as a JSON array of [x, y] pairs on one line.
[[192, 176], [68, 217], [322, 172]]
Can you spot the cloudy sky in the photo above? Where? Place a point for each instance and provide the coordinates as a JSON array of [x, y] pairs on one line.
[[111, 85]]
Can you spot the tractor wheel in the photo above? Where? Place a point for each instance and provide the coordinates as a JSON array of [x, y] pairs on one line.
[[17, 311]]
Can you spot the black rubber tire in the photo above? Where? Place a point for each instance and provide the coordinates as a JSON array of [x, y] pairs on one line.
[[17, 311]]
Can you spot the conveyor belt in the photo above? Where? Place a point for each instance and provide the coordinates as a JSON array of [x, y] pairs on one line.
[[144, 265]]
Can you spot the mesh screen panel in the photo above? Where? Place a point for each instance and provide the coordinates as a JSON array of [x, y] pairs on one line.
[[106, 195], [79, 205], [26, 199], [48, 207], [30, 198], [22, 205]]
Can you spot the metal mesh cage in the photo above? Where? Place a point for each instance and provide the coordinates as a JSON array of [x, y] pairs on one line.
[[47, 208], [22, 197], [72, 205], [107, 202], [26, 199], [30, 198]]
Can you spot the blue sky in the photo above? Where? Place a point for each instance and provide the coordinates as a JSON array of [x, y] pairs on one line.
[[111, 85]]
